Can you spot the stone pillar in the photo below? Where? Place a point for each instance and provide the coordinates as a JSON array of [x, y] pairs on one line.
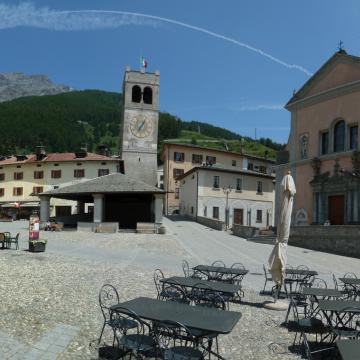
[[158, 202], [44, 208], [80, 207], [98, 207]]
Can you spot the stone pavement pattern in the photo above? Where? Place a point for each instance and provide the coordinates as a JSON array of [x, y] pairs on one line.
[[56, 292]]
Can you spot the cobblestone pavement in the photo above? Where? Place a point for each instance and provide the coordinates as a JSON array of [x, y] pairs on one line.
[[49, 301]]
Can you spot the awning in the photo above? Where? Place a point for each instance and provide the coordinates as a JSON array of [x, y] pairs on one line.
[[25, 204]]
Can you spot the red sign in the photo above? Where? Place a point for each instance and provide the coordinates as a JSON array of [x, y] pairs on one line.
[[34, 227]]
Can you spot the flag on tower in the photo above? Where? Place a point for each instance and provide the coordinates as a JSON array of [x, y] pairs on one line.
[[143, 62]]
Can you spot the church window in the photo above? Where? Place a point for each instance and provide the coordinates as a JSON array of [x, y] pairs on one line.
[[339, 136], [136, 94], [353, 137], [324, 143], [148, 95]]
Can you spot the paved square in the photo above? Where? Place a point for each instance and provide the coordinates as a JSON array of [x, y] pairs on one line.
[[49, 306]]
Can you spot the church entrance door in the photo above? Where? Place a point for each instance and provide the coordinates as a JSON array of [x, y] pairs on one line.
[[336, 209]]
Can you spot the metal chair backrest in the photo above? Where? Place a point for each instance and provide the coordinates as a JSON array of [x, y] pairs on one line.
[[199, 292], [218, 263], [174, 292], [336, 286], [350, 275], [186, 268], [108, 296], [238, 266], [302, 267], [318, 283], [158, 275], [168, 333]]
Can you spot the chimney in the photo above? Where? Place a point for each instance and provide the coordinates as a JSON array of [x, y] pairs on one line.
[[82, 153], [103, 150], [40, 153]]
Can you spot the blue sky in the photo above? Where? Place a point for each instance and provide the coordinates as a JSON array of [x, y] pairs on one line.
[[203, 77]]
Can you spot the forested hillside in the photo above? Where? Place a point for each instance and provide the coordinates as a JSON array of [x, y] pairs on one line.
[[62, 122]]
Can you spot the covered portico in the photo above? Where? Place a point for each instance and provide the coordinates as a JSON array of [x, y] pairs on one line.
[[117, 198]]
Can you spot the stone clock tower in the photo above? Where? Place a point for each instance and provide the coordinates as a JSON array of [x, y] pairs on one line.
[[139, 126]]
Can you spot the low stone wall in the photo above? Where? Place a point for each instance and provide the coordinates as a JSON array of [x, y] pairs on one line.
[[337, 239], [245, 232], [105, 227], [211, 223]]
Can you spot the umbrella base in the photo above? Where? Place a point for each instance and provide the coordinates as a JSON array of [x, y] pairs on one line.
[[278, 305]]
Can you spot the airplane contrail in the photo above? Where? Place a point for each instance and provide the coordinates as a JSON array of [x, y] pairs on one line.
[[27, 15]]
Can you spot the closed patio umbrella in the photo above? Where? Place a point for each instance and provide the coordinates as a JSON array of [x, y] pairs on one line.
[[277, 259]]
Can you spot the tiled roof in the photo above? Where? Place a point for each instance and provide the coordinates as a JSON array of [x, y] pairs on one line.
[[113, 183], [57, 157]]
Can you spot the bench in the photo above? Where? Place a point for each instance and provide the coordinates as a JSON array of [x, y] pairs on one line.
[[145, 228]]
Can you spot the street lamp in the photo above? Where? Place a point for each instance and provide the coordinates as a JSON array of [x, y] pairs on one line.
[[227, 191]]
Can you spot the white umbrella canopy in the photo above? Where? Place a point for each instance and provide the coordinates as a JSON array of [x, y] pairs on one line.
[[277, 259]]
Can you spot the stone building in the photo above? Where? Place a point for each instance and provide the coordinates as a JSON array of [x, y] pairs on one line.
[[230, 196], [180, 158], [23, 177], [323, 144]]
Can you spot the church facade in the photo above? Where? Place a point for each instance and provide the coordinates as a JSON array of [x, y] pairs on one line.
[[323, 145]]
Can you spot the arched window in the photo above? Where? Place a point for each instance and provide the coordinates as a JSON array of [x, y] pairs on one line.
[[147, 96], [136, 94], [339, 136]]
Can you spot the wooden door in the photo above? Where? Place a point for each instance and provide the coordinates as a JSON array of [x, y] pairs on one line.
[[336, 209], [238, 217]]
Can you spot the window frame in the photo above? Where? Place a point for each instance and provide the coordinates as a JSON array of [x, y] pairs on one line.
[[259, 187], [200, 156], [56, 174], [239, 181], [38, 174], [216, 182], [16, 190], [106, 172], [18, 175], [182, 156], [79, 173], [259, 218], [216, 212]]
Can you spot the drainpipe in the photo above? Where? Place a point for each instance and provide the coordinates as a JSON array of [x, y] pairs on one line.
[[197, 195]]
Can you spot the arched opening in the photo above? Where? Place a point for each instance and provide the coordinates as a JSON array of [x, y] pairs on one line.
[[148, 95], [339, 136], [136, 94]]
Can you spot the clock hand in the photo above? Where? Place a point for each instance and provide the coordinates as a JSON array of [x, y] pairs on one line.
[[141, 125]]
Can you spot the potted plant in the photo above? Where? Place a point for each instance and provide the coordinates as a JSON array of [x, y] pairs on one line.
[[37, 245]]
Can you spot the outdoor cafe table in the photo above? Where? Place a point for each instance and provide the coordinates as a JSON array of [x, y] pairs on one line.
[[197, 317], [209, 320], [189, 282], [208, 270], [300, 272], [349, 349], [335, 311], [321, 294]]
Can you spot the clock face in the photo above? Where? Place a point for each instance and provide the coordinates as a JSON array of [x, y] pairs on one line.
[[141, 126]]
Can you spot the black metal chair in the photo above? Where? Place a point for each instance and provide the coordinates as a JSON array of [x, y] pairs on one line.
[[318, 283], [218, 263], [216, 276], [352, 328], [207, 297], [311, 323], [268, 277], [109, 296], [138, 340], [158, 275], [13, 240], [177, 342], [174, 292], [188, 273], [317, 350]]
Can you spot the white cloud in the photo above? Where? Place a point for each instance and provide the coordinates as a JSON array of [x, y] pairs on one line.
[[26, 14]]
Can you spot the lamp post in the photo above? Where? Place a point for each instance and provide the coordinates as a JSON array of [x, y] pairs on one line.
[[227, 191]]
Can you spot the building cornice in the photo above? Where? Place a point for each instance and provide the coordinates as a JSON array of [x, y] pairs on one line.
[[325, 95]]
